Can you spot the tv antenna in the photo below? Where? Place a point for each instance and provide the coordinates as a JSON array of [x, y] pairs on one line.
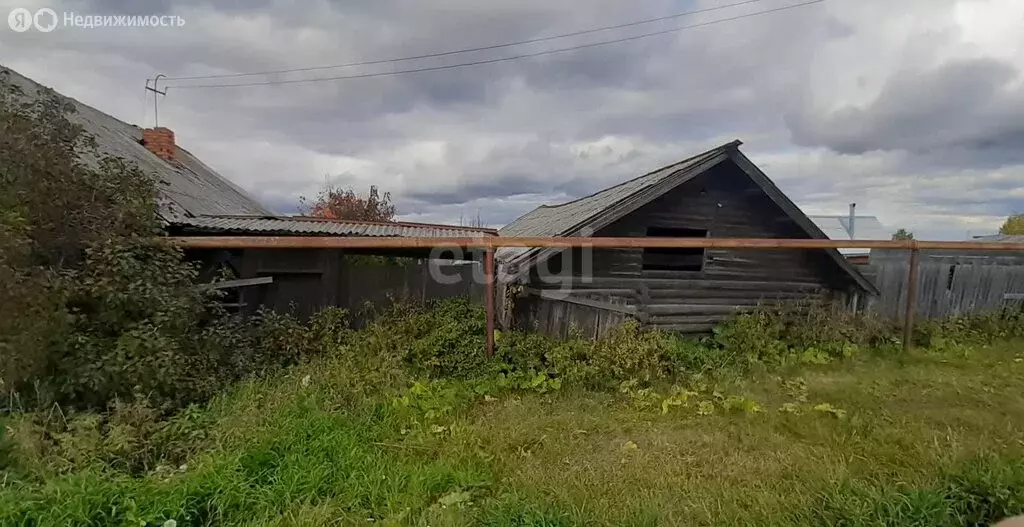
[[156, 91]]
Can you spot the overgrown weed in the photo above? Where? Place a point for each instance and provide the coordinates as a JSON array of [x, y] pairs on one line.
[[377, 423]]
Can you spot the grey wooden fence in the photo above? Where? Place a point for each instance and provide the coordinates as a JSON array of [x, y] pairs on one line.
[[365, 289], [409, 282], [948, 283]]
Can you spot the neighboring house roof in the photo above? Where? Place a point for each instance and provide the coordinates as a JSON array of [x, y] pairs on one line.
[[303, 226], [588, 214], [186, 186], [1007, 238], [864, 228]]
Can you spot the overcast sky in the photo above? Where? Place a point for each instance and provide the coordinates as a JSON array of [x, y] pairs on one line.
[[914, 109]]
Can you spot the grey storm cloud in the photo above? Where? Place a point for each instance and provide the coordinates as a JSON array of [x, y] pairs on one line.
[[966, 106], [502, 138]]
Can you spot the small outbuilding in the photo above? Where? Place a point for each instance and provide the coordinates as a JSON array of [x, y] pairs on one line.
[[194, 199], [305, 281], [719, 193]]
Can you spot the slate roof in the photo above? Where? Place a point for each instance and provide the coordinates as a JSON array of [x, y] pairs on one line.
[[186, 187], [864, 228], [302, 226], [597, 210], [567, 219]]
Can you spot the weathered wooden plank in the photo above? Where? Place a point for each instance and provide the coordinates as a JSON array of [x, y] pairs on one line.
[[687, 329], [230, 284], [573, 299], [604, 282], [719, 301], [688, 319], [753, 294], [679, 309]]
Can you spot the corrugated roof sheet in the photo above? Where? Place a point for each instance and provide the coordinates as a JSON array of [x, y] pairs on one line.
[[298, 226], [1009, 238], [864, 228], [567, 218], [187, 186]]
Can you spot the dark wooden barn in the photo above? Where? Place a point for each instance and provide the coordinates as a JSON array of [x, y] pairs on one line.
[[719, 193], [304, 281]]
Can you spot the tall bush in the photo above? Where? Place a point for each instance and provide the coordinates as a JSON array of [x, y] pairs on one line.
[[58, 196], [94, 306]]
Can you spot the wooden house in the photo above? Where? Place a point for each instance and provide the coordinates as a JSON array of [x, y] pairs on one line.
[[194, 200], [719, 193]]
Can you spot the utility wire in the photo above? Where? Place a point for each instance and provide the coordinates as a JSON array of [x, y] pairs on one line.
[[471, 50], [500, 59]]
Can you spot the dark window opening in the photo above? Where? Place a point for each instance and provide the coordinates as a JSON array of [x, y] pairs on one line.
[[674, 259]]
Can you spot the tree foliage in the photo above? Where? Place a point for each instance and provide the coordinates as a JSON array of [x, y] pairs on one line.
[[1014, 225], [339, 203], [58, 196], [902, 234], [94, 306]]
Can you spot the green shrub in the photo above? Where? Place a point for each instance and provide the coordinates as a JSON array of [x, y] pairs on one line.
[[444, 338], [136, 326], [630, 353], [451, 340], [94, 306], [831, 328], [757, 336], [701, 355], [52, 206], [975, 329]]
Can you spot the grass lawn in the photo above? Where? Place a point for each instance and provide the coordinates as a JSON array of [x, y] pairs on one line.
[[916, 440]]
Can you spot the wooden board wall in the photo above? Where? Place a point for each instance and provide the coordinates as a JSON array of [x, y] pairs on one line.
[[727, 204], [306, 281], [949, 284]]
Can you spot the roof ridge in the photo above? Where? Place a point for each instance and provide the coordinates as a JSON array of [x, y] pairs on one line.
[[314, 219], [732, 144], [841, 216]]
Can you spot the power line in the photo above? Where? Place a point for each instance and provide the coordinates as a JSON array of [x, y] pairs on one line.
[[471, 50], [500, 59]]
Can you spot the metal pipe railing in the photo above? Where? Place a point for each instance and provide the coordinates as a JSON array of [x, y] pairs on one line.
[[490, 243], [496, 242]]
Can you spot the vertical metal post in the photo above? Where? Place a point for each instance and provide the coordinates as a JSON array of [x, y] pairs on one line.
[[908, 317], [489, 298]]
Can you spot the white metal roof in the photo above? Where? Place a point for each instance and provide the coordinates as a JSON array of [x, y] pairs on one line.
[[864, 228]]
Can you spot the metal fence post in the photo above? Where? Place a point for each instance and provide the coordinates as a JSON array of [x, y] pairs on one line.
[[908, 317], [489, 298]]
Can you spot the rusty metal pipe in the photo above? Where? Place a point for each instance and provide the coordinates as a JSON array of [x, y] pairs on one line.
[[489, 298], [908, 316], [494, 242]]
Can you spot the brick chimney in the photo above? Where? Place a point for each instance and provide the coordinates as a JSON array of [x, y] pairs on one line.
[[160, 141]]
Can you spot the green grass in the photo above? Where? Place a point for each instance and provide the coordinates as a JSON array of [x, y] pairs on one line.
[[924, 439]]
